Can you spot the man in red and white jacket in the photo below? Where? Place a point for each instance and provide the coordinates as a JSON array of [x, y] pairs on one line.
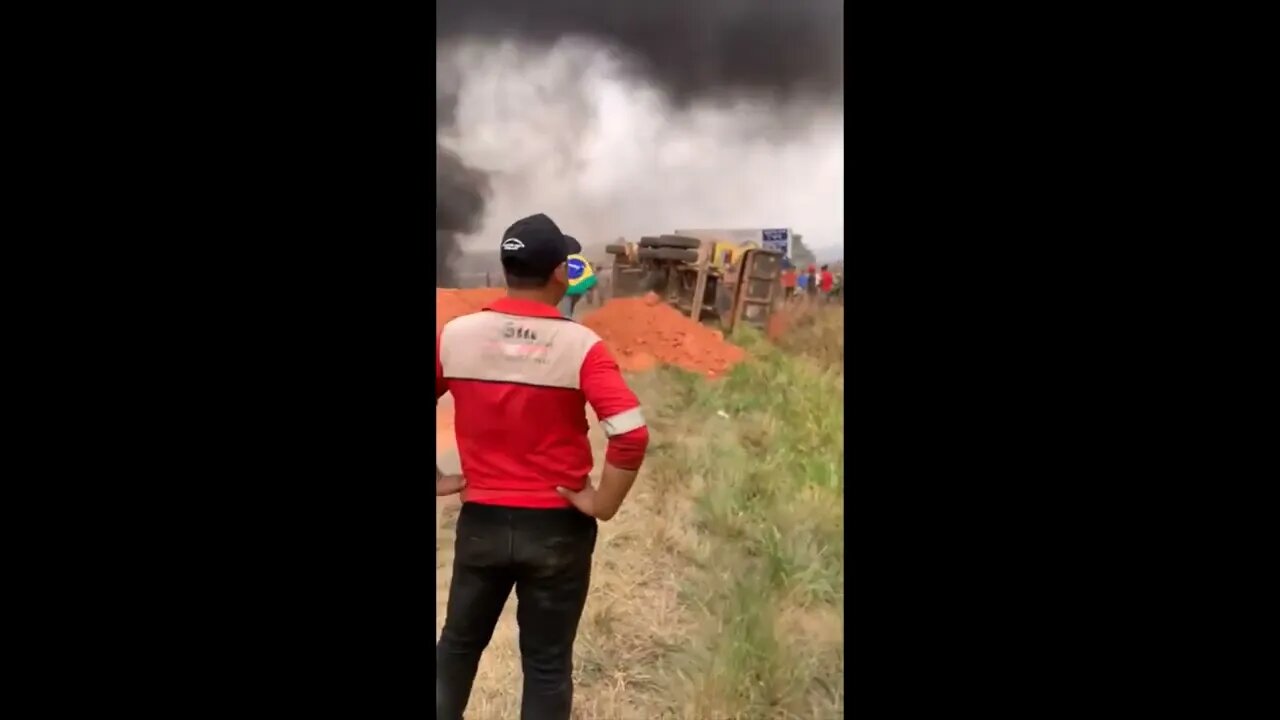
[[521, 376]]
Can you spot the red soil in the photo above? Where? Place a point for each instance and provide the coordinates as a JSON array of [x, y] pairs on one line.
[[643, 332], [452, 303]]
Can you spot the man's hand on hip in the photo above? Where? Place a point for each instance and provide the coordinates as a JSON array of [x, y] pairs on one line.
[[602, 504], [449, 484], [584, 499]]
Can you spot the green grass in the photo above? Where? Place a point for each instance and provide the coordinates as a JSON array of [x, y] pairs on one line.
[[766, 485]]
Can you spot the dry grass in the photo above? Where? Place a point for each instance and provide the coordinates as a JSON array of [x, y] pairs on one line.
[[815, 331], [717, 592]]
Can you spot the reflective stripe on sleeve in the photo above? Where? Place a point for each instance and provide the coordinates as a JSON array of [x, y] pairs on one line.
[[623, 422]]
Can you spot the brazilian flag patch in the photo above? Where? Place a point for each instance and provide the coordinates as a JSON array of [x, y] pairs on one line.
[[581, 277]]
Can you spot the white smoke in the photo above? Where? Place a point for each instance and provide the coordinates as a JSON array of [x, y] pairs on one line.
[[573, 131]]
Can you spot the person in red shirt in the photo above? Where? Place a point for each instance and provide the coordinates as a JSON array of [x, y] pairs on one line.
[[788, 281], [826, 282], [521, 376]]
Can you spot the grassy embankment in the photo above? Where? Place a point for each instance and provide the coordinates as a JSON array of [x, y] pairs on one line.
[[717, 592], [751, 524]]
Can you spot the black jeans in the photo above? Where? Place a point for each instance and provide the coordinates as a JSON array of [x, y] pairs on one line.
[[546, 555]]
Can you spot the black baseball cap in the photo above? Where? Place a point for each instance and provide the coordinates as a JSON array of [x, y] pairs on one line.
[[534, 247]]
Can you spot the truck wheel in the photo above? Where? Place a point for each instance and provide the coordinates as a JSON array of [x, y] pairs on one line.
[[671, 241], [669, 253]]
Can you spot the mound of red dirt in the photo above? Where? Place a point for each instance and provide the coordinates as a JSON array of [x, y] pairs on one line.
[[452, 303], [643, 332]]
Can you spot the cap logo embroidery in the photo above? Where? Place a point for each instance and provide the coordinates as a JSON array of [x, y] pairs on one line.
[[512, 244]]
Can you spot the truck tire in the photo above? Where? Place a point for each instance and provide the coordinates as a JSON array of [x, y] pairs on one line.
[[671, 241], [669, 253]]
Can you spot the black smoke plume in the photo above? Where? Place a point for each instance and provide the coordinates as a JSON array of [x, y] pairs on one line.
[[460, 193], [689, 48]]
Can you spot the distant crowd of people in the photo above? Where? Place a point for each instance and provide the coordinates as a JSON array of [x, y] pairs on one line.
[[813, 283]]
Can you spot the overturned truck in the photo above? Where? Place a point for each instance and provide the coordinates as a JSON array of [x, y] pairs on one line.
[[727, 277]]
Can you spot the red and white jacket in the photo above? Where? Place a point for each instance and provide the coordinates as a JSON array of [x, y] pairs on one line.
[[521, 376]]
